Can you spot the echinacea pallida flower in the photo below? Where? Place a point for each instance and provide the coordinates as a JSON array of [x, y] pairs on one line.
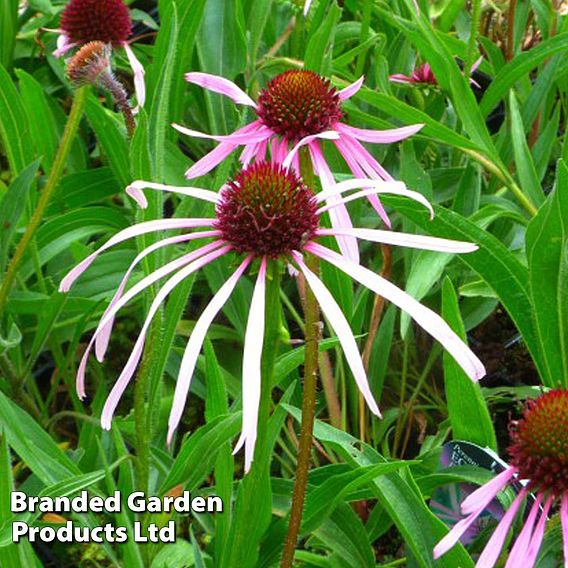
[[108, 21], [299, 107], [539, 458], [265, 213]]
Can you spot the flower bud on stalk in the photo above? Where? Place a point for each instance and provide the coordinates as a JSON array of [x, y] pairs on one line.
[[91, 65]]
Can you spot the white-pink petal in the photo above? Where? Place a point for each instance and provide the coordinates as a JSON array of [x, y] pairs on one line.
[[252, 357], [194, 344], [129, 233], [111, 312], [564, 523], [307, 5], [220, 85], [136, 187], [380, 136], [254, 132], [139, 72], [102, 340], [327, 135], [340, 325], [426, 318], [350, 90], [130, 367], [403, 239], [64, 44]]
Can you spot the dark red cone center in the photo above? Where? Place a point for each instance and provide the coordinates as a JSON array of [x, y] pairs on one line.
[[267, 211], [299, 103], [540, 443], [103, 20]]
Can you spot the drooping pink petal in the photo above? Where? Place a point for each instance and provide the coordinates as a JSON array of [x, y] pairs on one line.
[[110, 313], [279, 150], [494, 546], [400, 78], [518, 553], [358, 171], [124, 378], [379, 136], [194, 344], [102, 340], [64, 44], [327, 135], [261, 151], [210, 160], [487, 492], [364, 158], [564, 523], [426, 318], [403, 239], [343, 331], [339, 215], [538, 535], [456, 532], [135, 191], [252, 356], [139, 72], [350, 90], [253, 132], [129, 233], [220, 85], [386, 187]]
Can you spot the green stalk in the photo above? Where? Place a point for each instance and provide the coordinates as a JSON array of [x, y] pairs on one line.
[[312, 333], [71, 127]]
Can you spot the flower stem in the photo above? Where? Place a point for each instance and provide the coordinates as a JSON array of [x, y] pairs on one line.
[[71, 127], [312, 333]]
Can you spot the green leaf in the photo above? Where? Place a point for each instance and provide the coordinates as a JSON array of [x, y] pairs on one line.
[[547, 242], [519, 66], [11, 209], [467, 409], [523, 158], [320, 42], [111, 137], [8, 30], [14, 128]]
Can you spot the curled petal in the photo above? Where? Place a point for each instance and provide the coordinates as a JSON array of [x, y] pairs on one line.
[[102, 340], [129, 233], [426, 318], [380, 136], [110, 313], [135, 191], [350, 90], [403, 239], [252, 356], [194, 344], [124, 378], [220, 85], [343, 331], [338, 213], [139, 72], [327, 135]]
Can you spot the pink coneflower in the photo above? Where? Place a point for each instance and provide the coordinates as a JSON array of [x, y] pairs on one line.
[[539, 458], [265, 214], [298, 108], [422, 74], [108, 21]]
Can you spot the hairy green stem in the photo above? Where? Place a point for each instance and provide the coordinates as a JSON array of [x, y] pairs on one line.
[[311, 363], [475, 20], [71, 127]]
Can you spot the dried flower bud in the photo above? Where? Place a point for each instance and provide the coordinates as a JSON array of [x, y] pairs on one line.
[[87, 65]]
